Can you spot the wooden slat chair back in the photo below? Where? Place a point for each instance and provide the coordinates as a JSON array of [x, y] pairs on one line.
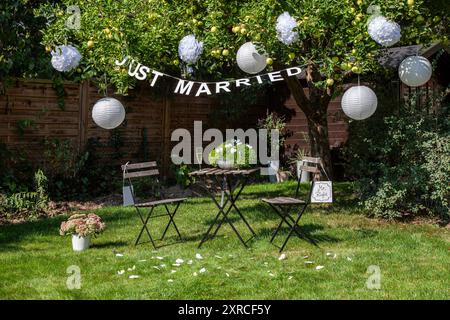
[[141, 170], [285, 207], [150, 169]]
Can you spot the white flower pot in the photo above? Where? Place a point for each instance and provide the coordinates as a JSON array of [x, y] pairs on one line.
[[80, 243], [226, 164]]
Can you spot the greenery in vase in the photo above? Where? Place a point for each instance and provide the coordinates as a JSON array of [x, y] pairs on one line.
[[241, 155]]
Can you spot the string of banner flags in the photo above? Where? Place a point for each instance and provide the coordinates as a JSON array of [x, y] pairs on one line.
[[198, 88]]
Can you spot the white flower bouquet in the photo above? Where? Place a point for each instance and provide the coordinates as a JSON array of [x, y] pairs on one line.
[[232, 154]]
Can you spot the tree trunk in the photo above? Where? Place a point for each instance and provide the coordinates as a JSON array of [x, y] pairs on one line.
[[320, 147], [315, 107]]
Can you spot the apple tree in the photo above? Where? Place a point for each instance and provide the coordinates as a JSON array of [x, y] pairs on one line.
[[333, 42]]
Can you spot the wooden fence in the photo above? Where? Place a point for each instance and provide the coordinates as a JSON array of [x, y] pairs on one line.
[[30, 114]]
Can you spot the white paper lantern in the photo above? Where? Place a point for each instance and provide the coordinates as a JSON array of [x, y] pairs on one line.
[[384, 32], [249, 60], [108, 113], [415, 71], [359, 102], [65, 58]]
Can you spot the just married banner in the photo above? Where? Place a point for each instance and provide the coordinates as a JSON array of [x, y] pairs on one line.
[[197, 88]]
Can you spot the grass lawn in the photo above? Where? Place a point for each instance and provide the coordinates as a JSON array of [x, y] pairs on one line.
[[414, 259]]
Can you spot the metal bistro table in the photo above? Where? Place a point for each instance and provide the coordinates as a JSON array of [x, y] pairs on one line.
[[230, 183]]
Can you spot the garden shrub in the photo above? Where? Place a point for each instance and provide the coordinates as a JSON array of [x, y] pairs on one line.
[[30, 203], [401, 159]]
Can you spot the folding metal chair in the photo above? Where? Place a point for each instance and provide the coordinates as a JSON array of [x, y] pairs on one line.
[[149, 169], [287, 207]]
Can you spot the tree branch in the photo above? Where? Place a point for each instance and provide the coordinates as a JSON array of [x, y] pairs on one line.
[[299, 95]]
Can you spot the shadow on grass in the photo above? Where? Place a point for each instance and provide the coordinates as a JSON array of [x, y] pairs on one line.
[[309, 232], [109, 244]]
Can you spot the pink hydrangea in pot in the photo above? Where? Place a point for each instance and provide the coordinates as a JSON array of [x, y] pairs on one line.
[[82, 227]]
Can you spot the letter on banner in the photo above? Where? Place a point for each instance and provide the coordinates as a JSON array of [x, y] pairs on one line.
[[275, 76], [157, 74], [143, 72], [203, 89], [183, 87], [240, 82], [222, 86], [121, 63], [293, 71], [133, 73]]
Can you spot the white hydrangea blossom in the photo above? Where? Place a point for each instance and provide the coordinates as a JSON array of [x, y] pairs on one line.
[[189, 49], [284, 27], [65, 58], [384, 32]]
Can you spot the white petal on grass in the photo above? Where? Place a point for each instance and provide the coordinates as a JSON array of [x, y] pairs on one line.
[[143, 260], [290, 277], [195, 274], [349, 259], [319, 267], [120, 272], [282, 257], [176, 264], [271, 274], [119, 255], [179, 261], [335, 256], [133, 276], [163, 265], [189, 262], [305, 257], [131, 269], [227, 274], [160, 258], [309, 262], [156, 267], [219, 267], [170, 280], [218, 257], [202, 270], [328, 254], [173, 271], [198, 256]]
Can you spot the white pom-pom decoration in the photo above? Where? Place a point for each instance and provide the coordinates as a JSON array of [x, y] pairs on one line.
[[249, 59], [108, 113], [65, 58], [415, 71], [189, 49], [284, 27], [359, 102], [384, 32]]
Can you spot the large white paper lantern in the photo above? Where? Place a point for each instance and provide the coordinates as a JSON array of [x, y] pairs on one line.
[[108, 113], [415, 71], [359, 102], [249, 60], [383, 31]]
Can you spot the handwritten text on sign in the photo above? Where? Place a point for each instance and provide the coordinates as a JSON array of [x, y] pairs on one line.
[[187, 87]]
